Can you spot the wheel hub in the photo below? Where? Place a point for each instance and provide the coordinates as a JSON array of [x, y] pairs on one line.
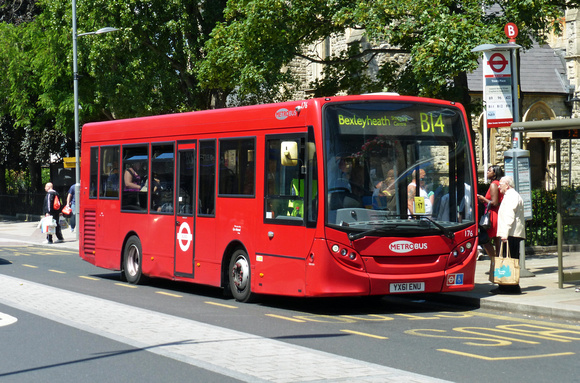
[[241, 273]]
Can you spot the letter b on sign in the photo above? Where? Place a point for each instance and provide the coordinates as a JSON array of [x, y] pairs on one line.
[[511, 31]]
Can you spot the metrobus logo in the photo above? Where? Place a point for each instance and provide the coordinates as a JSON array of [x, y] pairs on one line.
[[282, 114], [406, 246]]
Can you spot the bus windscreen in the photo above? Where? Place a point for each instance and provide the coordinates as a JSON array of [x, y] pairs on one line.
[[397, 167]]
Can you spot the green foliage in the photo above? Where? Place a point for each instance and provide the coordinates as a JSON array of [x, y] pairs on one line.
[[541, 230], [252, 50], [145, 68], [181, 55]]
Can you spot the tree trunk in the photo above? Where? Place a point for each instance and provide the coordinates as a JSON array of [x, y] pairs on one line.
[[35, 176], [3, 187]]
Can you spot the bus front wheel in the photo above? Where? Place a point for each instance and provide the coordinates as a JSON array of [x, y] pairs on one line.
[[240, 276], [132, 261]]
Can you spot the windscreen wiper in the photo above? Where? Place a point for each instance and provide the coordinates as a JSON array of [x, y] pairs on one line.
[[382, 229], [448, 233]]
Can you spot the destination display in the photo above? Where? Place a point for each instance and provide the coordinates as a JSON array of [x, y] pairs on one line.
[[410, 120]]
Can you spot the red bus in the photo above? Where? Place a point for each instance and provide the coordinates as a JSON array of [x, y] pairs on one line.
[[306, 198]]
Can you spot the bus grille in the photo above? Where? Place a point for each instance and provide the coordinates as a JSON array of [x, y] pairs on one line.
[[90, 225]]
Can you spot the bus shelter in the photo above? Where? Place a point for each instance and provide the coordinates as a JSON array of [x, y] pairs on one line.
[[568, 210]]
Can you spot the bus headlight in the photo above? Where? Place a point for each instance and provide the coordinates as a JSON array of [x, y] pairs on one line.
[[346, 256], [460, 253]]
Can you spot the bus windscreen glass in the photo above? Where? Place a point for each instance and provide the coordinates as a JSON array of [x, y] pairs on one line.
[[376, 154]]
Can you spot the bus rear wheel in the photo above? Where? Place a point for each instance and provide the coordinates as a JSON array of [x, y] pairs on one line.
[[239, 276], [132, 261]]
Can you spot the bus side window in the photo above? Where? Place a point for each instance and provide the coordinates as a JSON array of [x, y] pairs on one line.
[[162, 174], [135, 185], [285, 183], [237, 167], [109, 172], [94, 169], [206, 188]]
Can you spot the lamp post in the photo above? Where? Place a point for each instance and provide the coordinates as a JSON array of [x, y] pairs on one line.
[[76, 106]]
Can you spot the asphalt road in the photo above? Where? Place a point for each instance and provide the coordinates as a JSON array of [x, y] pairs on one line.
[[456, 344]]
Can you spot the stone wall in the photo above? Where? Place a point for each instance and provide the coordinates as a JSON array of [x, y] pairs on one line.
[[533, 106]]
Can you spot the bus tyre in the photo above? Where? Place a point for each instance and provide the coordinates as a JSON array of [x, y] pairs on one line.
[[239, 276], [132, 261]]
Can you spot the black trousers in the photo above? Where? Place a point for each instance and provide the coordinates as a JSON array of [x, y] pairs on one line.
[[514, 244]]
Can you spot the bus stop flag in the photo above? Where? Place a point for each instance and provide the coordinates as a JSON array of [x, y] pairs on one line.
[[497, 90]]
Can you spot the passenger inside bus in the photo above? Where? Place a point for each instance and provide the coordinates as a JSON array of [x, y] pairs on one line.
[[134, 196], [340, 190], [132, 177], [111, 180], [427, 197], [384, 196]]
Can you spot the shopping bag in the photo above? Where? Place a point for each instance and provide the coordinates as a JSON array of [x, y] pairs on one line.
[[63, 222], [48, 225], [66, 211], [504, 270], [485, 221]]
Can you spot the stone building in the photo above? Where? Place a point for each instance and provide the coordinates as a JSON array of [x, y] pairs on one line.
[[549, 89]]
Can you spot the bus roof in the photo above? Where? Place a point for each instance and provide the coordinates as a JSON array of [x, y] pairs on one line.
[[236, 119]]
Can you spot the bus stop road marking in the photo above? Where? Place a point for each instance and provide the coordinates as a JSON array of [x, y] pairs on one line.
[[364, 334], [57, 271], [196, 343], [504, 318], [32, 267], [494, 359]]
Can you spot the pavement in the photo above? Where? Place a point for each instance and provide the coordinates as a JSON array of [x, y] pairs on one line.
[[541, 295]]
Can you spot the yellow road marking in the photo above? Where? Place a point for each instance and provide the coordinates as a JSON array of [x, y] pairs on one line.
[[513, 319], [493, 359], [221, 305], [364, 334], [57, 271], [57, 251], [415, 317], [89, 278], [32, 267], [126, 285], [169, 294], [285, 318]]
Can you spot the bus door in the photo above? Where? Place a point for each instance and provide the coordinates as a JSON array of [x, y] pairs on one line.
[[185, 211]]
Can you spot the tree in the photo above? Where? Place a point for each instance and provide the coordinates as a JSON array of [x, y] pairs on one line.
[[18, 11], [15, 85], [253, 49], [145, 68]]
